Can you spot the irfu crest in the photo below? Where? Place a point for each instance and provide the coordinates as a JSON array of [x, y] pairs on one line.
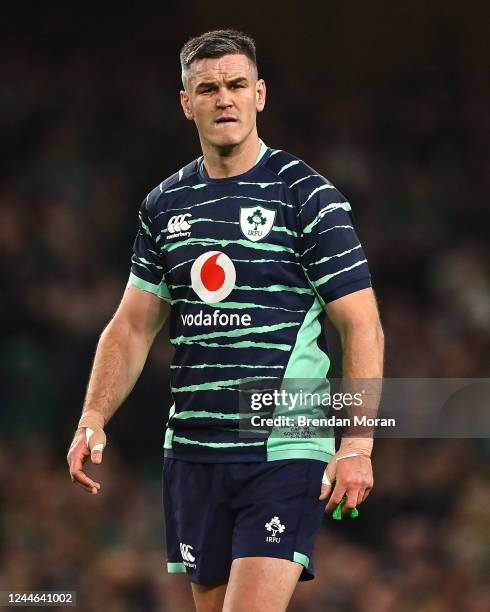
[[256, 222]]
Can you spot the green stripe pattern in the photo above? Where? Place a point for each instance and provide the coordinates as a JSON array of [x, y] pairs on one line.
[[176, 568], [307, 361], [160, 290]]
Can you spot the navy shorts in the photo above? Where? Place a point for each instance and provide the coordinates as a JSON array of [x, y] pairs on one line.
[[217, 512]]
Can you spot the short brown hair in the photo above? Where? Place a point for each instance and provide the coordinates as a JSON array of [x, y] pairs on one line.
[[216, 43]]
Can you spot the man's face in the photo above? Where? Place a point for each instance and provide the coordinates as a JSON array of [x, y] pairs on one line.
[[223, 97]]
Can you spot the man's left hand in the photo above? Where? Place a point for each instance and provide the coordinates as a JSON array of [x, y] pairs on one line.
[[349, 476]]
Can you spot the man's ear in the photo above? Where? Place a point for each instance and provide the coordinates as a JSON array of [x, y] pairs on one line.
[[260, 91], [186, 105]]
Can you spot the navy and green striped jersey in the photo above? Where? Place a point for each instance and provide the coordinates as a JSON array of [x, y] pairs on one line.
[[247, 264]]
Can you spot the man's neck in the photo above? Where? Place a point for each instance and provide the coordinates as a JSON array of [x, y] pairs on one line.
[[236, 161]]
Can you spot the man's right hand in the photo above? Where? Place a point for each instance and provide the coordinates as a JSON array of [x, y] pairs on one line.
[[80, 449], [120, 356]]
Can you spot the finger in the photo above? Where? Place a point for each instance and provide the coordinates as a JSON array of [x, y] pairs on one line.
[[331, 470], [96, 455], [336, 497], [96, 441], [328, 480], [87, 483], [367, 492], [325, 491], [92, 490], [360, 496], [77, 460], [326, 486], [351, 500], [78, 475]]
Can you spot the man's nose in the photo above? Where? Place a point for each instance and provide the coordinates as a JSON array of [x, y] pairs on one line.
[[224, 99]]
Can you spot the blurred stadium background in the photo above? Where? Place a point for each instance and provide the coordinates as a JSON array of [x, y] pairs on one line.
[[391, 102]]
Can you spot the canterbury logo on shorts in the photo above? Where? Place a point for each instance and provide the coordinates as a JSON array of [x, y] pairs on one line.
[[187, 556]]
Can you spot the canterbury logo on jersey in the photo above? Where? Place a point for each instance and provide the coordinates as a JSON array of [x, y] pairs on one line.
[[187, 556], [178, 226]]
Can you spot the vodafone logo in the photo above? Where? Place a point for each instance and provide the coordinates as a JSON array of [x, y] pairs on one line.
[[213, 276]]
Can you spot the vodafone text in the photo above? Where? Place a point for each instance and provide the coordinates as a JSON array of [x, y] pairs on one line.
[[216, 318]]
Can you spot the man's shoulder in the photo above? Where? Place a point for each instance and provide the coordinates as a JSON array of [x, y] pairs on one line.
[[299, 176], [186, 177]]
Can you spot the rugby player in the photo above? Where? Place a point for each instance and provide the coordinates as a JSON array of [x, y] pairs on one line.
[[246, 249]]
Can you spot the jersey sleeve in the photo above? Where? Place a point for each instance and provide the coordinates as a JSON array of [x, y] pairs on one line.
[[332, 256], [147, 266]]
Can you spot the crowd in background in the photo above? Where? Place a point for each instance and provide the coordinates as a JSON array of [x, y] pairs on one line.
[[421, 543], [87, 131]]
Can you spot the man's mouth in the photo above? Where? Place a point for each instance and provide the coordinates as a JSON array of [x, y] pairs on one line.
[[226, 119]]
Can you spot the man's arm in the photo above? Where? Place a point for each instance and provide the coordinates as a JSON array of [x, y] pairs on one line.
[[119, 359], [356, 318]]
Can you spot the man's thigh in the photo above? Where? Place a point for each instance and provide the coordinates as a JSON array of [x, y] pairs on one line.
[[279, 513], [261, 584]]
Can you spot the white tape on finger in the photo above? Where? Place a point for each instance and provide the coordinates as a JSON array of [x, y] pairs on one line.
[[326, 481], [88, 434]]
